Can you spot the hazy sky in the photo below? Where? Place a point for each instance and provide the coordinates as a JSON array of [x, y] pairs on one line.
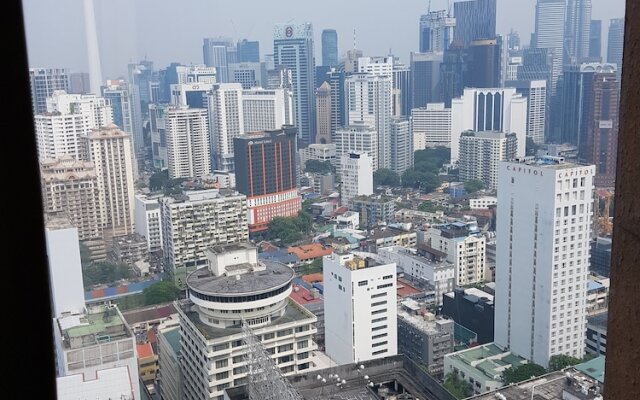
[[172, 30]]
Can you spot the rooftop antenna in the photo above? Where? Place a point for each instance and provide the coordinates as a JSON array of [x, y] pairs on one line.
[[429, 7], [448, 8], [354, 38]]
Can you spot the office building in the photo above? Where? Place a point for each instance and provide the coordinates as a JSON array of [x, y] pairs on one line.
[[425, 77], [549, 34], [148, 220], [71, 186], [484, 59], [45, 81], [198, 73], [65, 267], [142, 78], [431, 126], [369, 98], [595, 41], [79, 83], [513, 65], [481, 154], [536, 93], [158, 134], [596, 336], [382, 66], [267, 109], [401, 89], [473, 309], [219, 53], [195, 220], [424, 337], [601, 142], [248, 51], [542, 268], [293, 48], [265, 166], [97, 339], [127, 114], [110, 151], [475, 19], [453, 71], [615, 43], [577, 31], [436, 31], [465, 248], [97, 110], [501, 110], [193, 95], [323, 114], [249, 75], [187, 138], [226, 122], [336, 80], [371, 332], [235, 289], [356, 171], [329, 48], [320, 152], [601, 256], [401, 145], [357, 137]]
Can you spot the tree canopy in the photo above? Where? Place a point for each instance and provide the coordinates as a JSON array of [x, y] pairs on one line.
[[104, 272], [290, 229], [522, 373], [158, 180], [461, 389], [426, 166], [385, 177], [160, 292], [429, 206], [473, 185]]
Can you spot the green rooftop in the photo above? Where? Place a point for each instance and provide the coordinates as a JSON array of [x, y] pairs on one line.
[[593, 368], [490, 359], [173, 337], [99, 325]]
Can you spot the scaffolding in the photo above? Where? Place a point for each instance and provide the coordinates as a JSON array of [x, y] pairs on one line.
[[266, 381]]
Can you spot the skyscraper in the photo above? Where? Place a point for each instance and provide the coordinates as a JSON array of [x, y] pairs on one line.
[[44, 81], [248, 74], [615, 43], [475, 20], [248, 51], [356, 171], [453, 71], [187, 136], [357, 137], [266, 109], [536, 93], [595, 41], [329, 47], [323, 114], [336, 79], [577, 27], [484, 63], [431, 126], [436, 31], [219, 53], [127, 114], [265, 166], [402, 88], [549, 33], [544, 216], [482, 152], [226, 119], [293, 48], [425, 77], [141, 76], [401, 145]]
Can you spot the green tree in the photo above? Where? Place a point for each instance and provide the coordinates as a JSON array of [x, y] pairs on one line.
[[425, 181], [158, 180], [522, 373], [429, 206], [385, 177], [323, 167], [160, 292], [562, 361], [473, 185], [104, 272], [531, 147], [85, 254], [459, 388]]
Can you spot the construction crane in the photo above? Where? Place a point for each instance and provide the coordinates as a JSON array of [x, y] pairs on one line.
[[605, 226]]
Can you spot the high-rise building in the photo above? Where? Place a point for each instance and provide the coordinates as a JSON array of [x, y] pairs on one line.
[[79, 83], [336, 80], [482, 152], [293, 48], [601, 142], [513, 64], [266, 109], [70, 185], [329, 48], [237, 288], [484, 63], [97, 109], [226, 120], [475, 20], [357, 137], [501, 110], [323, 114], [195, 74], [127, 114], [401, 145], [549, 34], [356, 171], [514, 47], [595, 41], [110, 152], [401, 89], [368, 98], [148, 220], [431, 126], [544, 216], [187, 136], [158, 133], [368, 331], [382, 66], [248, 51], [65, 266], [249, 75], [196, 220], [436, 31], [142, 76], [453, 71], [169, 354], [577, 27], [351, 60], [266, 173], [615, 43], [219, 53], [536, 93], [425, 77], [43, 82], [193, 95]]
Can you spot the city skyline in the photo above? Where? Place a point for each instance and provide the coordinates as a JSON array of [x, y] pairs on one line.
[[63, 44]]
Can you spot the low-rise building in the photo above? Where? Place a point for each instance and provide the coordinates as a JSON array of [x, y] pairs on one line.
[[129, 249], [423, 337], [309, 252], [482, 203], [147, 362], [597, 295], [348, 220], [387, 236], [373, 210]]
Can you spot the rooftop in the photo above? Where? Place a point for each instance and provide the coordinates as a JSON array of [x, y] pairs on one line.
[[380, 233], [598, 320], [309, 251], [489, 359], [99, 324], [148, 314], [548, 162], [173, 337], [304, 296], [405, 289], [275, 275], [144, 350], [111, 383], [423, 321], [593, 368]]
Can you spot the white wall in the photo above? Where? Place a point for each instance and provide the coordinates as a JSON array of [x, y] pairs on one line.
[[65, 269]]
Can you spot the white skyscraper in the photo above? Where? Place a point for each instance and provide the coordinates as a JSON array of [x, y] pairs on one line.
[[482, 152], [196, 74], [577, 31], [382, 66], [499, 109], [549, 34], [369, 100], [431, 126], [357, 137], [360, 305], [356, 170], [226, 120], [536, 94], [187, 135], [401, 145], [542, 257], [266, 109], [97, 109], [148, 222]]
